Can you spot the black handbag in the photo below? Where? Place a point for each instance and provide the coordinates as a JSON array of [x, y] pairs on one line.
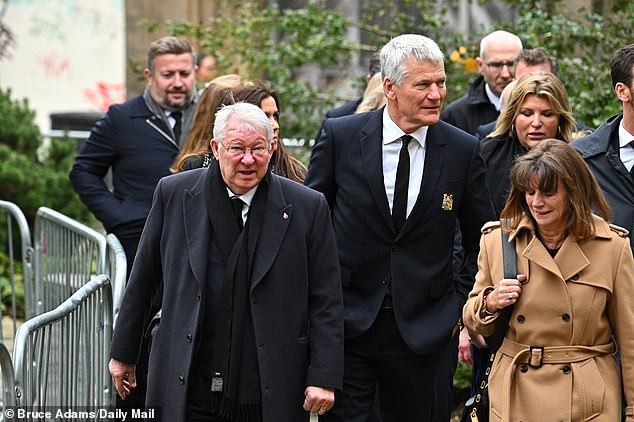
[[477, 407]]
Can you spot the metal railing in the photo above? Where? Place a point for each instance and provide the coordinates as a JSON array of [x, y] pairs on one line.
[[15, 218], [61, 356], [7, 388], [67, 253], [116, 268]]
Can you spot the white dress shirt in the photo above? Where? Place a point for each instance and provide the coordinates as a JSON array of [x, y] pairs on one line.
[[391, 149], [247, 198], [626, 152]]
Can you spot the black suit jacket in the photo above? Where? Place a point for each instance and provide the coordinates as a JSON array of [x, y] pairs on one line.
[[295, 295], [346, 166]]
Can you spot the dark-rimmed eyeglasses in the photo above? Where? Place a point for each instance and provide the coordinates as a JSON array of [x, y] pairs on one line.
[[499, 65], [238, 151]]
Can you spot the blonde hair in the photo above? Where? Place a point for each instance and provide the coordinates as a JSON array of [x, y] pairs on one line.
[[373, 96], [543, 85]]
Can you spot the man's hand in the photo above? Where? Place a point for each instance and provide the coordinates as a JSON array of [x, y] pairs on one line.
[[123, 377], [318, 400], [464, 347]]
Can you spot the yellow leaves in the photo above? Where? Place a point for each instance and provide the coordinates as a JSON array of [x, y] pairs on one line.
[[461, 56]]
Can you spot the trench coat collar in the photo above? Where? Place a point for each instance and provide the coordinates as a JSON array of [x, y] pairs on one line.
[[570, 259]]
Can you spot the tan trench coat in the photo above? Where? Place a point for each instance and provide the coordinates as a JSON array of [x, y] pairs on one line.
[[572, 305]]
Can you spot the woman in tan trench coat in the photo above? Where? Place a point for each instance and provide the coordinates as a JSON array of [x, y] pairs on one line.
[[573, 296]]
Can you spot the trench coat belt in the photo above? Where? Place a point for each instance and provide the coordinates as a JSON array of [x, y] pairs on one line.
[[536, 356]]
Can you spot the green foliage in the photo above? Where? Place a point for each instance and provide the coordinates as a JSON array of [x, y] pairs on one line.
[[274, 45], [266, 43], [6, 290], [583, 46], [27, 180], [17, 127]]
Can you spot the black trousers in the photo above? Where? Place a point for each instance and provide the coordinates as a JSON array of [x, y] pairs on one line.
[[412, 387]]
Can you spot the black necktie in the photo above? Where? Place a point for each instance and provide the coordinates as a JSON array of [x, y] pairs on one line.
[[177, 126], [237, 204], [401, 186]]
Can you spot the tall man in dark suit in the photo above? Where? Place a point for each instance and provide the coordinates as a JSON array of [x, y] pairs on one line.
[[609, 150], [396, 180], [251, 326]]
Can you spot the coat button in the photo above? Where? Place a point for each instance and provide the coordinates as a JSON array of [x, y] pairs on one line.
[[189, 337], [566, 369], [565, 317], [521, 319], [524, 367], [575, 277], [181, 379], [198, 296], [384, 281], [394, 248]]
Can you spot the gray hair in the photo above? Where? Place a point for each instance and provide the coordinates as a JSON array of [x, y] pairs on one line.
[[398, 49], [167, 45], [499, 36], [251, 120]]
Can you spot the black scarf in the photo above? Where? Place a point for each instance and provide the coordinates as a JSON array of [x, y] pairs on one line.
[[235, 378]]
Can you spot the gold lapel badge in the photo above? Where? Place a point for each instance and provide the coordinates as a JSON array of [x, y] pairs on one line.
[[447, 201]]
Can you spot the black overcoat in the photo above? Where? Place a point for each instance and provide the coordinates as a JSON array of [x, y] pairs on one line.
[[295, 296]]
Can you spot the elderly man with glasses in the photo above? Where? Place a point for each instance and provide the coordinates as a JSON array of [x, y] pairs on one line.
[[498, 52], [252, 311]]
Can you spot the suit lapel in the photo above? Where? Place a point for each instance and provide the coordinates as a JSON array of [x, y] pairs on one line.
[[371, 145], [434, 159], [197, 230], [277, 217]]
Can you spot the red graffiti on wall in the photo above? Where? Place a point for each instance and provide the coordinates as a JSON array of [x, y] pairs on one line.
[[54, 66], [105, 94]]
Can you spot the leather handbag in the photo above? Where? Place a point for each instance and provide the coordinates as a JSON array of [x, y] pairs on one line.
[[477, 407]]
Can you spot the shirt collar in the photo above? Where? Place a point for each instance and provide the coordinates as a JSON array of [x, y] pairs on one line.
[[392, 133], [247, 198], [495, 100], [625, 137]]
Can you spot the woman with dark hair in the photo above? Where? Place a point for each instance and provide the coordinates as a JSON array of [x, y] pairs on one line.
[[282, 163], [571, 296]]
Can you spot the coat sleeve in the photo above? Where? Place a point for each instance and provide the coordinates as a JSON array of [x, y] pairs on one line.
[[325, 304], [91, 165], [473, 314], [476, 210], [621, 315], [321, 171], [145, 279]]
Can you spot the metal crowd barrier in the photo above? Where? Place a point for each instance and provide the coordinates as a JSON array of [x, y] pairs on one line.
[[67, 253], [7, 389], [116, 268], [15, 218], [61, 356]]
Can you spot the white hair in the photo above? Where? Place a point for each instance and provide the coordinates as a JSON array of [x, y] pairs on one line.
[[398, 49], [251, 119]]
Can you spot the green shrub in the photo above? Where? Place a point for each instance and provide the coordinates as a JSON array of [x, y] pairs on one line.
[[6, 290], [26, 179]]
